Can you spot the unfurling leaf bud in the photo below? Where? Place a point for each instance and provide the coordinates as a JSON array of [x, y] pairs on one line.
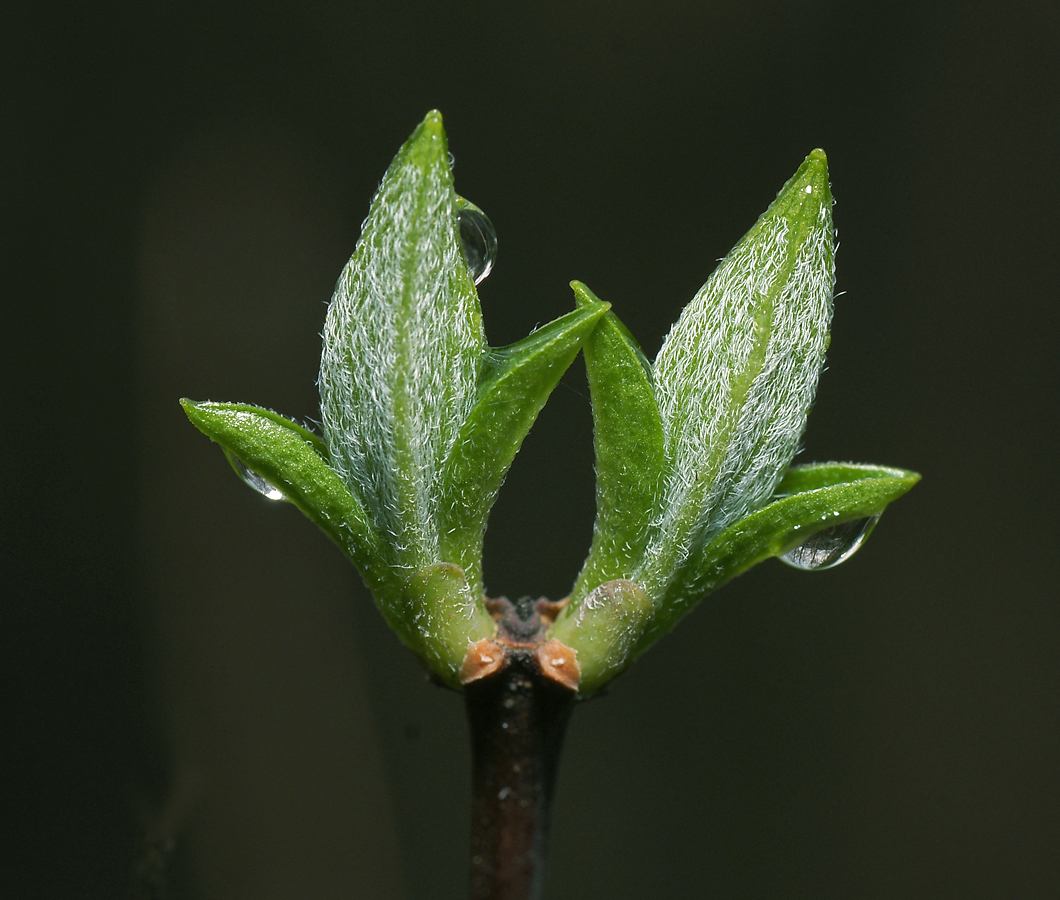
[[737, 373], [690, 450], [421, 419], [402, 345]]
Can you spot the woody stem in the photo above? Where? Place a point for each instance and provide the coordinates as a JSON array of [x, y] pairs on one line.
[[517, 719]]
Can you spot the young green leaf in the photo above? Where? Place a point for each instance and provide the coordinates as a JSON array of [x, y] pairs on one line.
[[811, 476], [402, 346], [293, 460], [630, 451], [811, 499], [516, 382], [738, 371]]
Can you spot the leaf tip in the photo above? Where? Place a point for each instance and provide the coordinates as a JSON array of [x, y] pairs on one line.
[[811, 180], [193, 410], [585, 299], [428, 144], [582, 295]]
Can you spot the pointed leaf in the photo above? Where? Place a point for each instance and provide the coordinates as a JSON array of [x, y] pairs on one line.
[[836, 493], [515, 385], [811, 476], [738, 371], [402, 346], [630, 450], [292, 459]]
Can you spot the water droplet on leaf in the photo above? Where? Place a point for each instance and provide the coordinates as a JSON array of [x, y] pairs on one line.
[[830, 546], [254, 480], [478, 238]]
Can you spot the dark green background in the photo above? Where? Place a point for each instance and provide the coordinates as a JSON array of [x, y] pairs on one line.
[[181, 184]]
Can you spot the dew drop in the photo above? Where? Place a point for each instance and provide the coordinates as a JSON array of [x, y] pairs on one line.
[[478, 238], [254, 480], [830, 546]]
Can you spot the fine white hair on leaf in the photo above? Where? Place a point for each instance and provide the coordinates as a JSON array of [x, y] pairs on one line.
[[774, 415], [736, 376], [402, 345]]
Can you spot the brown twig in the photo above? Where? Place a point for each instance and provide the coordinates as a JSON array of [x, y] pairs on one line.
[[517, 713]]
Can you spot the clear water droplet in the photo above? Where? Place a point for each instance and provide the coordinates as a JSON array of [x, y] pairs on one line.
[[830, 546], [478, 238], [254, 480]]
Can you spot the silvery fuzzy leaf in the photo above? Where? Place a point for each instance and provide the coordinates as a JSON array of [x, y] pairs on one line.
[[737, 373], [402, 347]]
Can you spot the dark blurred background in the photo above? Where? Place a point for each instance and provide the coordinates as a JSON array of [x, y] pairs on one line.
[[198, 699]]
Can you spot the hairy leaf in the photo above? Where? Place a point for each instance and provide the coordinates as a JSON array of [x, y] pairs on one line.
[[402, 346], [630, 451], [738, 371], [516, 382]]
